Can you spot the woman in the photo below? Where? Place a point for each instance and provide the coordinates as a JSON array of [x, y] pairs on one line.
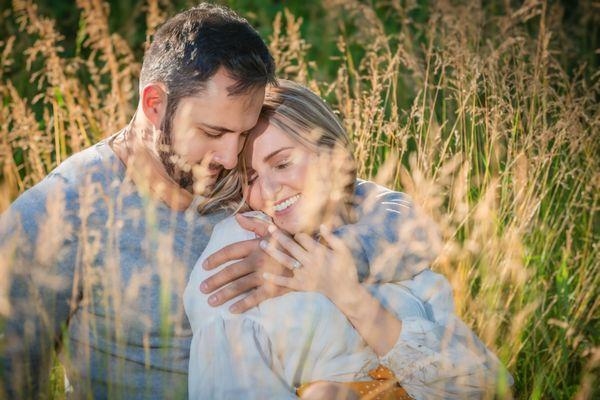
[[331, 332]]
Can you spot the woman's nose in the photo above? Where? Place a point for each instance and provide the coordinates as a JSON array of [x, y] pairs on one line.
[[269, 188]]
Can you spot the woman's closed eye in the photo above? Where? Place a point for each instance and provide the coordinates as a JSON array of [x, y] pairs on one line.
[[252, 178], [282, 165]]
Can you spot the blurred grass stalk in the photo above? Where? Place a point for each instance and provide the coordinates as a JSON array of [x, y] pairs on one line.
[[465, 107]]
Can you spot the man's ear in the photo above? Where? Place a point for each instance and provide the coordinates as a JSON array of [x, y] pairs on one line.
[[154, 103]]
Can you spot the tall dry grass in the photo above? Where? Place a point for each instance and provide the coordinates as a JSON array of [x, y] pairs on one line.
[[469, 110]]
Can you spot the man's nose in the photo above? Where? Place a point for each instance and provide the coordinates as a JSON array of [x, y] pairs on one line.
[[227, 155]]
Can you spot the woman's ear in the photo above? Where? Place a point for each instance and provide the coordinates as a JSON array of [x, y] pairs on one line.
[[154, 103]]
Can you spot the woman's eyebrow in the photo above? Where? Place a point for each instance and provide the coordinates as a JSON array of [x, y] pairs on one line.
[[273, 154]]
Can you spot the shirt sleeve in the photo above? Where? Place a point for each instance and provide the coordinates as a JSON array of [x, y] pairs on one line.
[[390, 240], [37, 269], [438, 356]]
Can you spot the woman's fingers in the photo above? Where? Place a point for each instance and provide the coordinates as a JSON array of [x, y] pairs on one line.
[[335, 243], [306, 241], [279, 255], [289, 245], [279, 280]]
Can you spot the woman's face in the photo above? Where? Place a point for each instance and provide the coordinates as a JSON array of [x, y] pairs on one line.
[[282, 176]]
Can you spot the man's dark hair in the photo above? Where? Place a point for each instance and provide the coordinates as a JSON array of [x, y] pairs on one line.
[[189, 48]]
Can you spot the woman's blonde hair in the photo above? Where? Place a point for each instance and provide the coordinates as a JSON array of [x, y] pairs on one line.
[[308, 120]]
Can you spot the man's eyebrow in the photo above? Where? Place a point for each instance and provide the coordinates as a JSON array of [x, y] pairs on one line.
[[273, 154], [216, 128]]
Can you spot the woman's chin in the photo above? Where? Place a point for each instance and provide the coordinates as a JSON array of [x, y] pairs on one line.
[[295, 226], [297, 219], [288, 225]]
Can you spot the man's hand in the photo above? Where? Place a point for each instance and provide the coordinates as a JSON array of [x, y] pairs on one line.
[[246, 274]]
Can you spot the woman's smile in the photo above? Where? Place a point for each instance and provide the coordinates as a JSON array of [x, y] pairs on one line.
[[285, 206]]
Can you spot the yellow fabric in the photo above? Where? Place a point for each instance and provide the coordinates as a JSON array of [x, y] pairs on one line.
[[382, 387]]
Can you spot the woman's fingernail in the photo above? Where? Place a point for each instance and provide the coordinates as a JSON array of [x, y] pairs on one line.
[[203, 287], [271, 228], [263, 244], [205, 263], [234, 309], [213, 299], [266, 275]]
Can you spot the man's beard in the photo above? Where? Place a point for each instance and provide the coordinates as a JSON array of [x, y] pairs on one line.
[[180, 170], [181, 174]]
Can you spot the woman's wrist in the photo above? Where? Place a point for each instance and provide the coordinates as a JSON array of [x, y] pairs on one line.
[[380, 328], [351, 299]]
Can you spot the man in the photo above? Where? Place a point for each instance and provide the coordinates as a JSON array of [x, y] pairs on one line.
[[98, 253]]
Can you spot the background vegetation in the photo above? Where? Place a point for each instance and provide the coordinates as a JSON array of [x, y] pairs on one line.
[[485, 112]]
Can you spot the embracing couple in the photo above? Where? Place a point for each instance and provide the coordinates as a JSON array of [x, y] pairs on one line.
[[300, 280]]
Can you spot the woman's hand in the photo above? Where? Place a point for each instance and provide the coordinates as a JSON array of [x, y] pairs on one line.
[[329, 270], [332, 272]]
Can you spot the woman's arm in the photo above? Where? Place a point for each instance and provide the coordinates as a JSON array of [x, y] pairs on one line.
[[332, 273], [379, 328], [431, 352], [437, 355]]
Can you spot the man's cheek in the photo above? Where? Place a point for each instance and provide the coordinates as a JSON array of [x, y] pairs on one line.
[[196, 153], [183, 142]]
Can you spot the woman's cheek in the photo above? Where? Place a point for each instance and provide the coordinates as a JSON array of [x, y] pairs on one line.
[[298, 177], [255, 200]]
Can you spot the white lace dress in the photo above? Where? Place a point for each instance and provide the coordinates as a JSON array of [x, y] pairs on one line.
[[302, 337]]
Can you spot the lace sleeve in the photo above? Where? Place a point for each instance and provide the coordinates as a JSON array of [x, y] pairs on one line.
[[437, 355]]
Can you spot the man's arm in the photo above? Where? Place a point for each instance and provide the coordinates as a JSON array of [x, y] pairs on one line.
[[245, 274], [390, 240], [36, 269]]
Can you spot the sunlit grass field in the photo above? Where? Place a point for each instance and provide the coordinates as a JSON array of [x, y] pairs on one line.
[[486, 113]]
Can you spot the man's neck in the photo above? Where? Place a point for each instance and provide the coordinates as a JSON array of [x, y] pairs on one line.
[[145, 168]]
